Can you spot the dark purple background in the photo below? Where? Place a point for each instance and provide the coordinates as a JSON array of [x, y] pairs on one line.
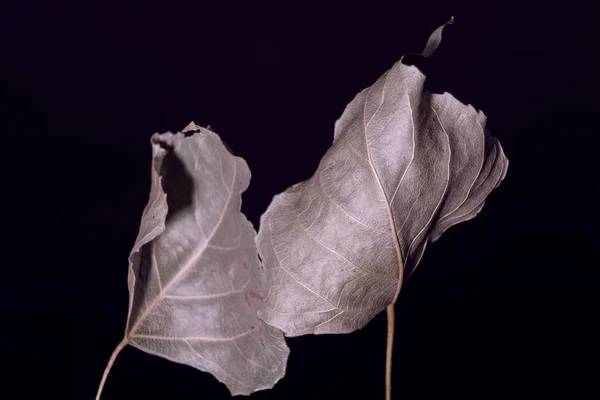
[[503, 306]]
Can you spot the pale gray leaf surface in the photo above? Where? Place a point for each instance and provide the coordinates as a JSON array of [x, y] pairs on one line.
[[405, 165], [195, 280]]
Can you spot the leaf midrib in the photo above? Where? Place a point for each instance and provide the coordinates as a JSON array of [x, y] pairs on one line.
[[387, 202], [129, 335]]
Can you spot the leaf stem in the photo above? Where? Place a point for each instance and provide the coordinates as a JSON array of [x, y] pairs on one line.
[[111, 361], [388, 353]]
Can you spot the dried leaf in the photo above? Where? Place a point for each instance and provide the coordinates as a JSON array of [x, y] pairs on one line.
[[405, 165], [194, 278]]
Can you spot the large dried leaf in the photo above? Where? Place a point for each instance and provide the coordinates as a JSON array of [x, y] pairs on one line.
[[195, 279], [405, 165]]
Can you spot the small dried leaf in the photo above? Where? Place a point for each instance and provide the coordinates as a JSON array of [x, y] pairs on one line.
[[195, 279]]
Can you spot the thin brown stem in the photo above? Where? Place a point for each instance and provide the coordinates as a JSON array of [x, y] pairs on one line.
[[388, 353], [111, 361]]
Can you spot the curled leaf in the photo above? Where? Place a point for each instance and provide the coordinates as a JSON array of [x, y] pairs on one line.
[[405, 165], [194, 276]]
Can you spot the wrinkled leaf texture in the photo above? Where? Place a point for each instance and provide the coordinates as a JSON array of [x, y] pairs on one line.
[[405, 165], [195, 279]]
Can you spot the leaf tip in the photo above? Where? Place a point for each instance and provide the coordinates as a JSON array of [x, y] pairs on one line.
[[190, 129]]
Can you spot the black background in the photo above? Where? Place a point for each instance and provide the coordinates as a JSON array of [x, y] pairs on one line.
[[503, 306]]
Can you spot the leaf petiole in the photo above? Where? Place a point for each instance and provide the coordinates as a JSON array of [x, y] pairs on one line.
[[111, 361]]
